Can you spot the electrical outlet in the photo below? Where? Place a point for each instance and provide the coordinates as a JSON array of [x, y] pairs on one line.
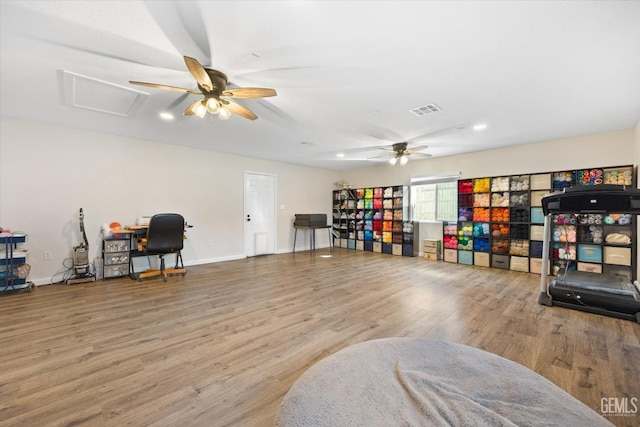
[[47, 255]]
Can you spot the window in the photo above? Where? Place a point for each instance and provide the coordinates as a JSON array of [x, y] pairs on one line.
[[434, 198]]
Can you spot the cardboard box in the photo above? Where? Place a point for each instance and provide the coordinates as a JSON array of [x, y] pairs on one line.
[[431, 256]]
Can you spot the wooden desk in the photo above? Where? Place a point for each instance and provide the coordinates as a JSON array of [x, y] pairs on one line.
[[312, 235]]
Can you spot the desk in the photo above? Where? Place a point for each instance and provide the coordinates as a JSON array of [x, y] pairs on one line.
[[312, 235]]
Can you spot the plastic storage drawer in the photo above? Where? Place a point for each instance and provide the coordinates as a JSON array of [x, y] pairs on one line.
[[116, 270], [116, 258]]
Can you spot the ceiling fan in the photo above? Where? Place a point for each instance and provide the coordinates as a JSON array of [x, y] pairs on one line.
[[212, 84], [400, 153]]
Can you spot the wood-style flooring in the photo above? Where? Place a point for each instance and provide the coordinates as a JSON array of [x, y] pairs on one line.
[[222, 345]]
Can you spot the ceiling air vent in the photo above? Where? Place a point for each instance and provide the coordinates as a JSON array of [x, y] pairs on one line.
[[425, 109]]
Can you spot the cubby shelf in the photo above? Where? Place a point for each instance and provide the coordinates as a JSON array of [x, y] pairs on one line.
[[374, 219], [500, 224]]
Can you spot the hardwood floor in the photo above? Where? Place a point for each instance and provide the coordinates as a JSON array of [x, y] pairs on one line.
[[222, 345]]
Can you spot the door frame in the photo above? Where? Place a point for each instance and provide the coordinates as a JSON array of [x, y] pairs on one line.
[[246, 174]]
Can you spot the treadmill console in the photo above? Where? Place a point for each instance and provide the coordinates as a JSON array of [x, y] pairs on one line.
[[605, 198]]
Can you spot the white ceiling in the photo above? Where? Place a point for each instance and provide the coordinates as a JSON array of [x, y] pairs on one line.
[[347, 73]]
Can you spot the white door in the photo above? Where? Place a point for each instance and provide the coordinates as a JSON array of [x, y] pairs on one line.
[[259, 213]]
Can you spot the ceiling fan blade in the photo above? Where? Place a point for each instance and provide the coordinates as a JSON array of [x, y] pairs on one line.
[[249, 92], [173, 88], [191, 109], [420, 155], [239, 110], [198, 72], [414, 150]]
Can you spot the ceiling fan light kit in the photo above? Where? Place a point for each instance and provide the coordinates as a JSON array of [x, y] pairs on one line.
[[212, 85]]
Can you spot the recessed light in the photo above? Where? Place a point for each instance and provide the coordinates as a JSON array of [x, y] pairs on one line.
[[166, 116], [479, 127], [340, 155]]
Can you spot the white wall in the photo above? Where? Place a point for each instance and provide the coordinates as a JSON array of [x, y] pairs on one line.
[[48, 172]]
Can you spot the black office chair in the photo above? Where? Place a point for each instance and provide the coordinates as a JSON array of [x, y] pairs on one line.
[[165, 235]]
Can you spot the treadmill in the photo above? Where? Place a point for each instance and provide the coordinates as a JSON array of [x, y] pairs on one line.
[[607, 294]]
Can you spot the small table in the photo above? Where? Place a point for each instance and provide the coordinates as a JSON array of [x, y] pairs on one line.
[[312, 235]]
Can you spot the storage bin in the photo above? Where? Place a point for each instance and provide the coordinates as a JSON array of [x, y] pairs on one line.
[[387, 248], [481, 259], [590, 268], [618, 256], [535, 248], [396, 249], [590, 253], [451, 255], [377, 247], [535, 266], [368, 245], [537, 232], [409, 250], [465, 257], [351, 244], [518, 263], [541, 181], [500, 261], [537, 216], [360, 245], [536, 197]]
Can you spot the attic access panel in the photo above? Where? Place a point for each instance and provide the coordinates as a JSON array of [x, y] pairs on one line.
[[92, 94]]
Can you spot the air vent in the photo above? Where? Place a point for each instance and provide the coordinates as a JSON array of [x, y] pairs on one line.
[[425, 109]]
